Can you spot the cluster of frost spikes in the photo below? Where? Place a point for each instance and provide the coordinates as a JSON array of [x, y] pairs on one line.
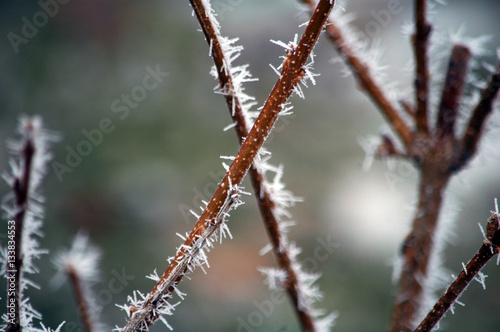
[[32, 132], [307, 290], [238, 74], [188, 258], [81, 262], [308, 67]]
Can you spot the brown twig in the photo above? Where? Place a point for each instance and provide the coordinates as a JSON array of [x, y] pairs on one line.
[[420, 46], [483, 109], [486, 252], [362, 73], [264, 200], [83, 306], [291, 73], [455, 79], [21, 189]]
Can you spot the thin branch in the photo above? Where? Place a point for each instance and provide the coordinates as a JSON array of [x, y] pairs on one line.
[[226, 81], [420, 46], [362, 73], [486, 252], [483, 109], [21, 189], [455, 79], [264, 200], [292, 71], [80, 298]]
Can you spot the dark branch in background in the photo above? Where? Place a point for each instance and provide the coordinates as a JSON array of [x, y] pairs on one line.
[[83, 306], [437, 155], [453, 86], [483, 109], [420, 46], [263, 196], [21, 191], [291, 73], [489, 249], [362, 73]]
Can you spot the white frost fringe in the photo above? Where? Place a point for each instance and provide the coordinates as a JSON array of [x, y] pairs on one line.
[[30, 129]]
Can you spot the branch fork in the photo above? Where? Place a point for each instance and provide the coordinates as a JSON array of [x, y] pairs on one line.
[[438, 153]]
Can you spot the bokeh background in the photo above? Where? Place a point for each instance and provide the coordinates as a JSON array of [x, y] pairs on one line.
[[132, 192]]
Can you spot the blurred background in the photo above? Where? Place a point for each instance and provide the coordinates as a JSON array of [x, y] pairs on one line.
[[132, 192]]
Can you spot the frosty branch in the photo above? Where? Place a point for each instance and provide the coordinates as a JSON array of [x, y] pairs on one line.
[[367, 82], [144, 316], [470, 272], [24, 207], [235, 99], [437, 153], [21, 187]]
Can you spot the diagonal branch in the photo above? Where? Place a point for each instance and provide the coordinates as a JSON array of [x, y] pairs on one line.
[[483, 109], [265, 201], [470, 272], [420, 46], [143, 317], [222, 65], [455, 79], [362, 73]]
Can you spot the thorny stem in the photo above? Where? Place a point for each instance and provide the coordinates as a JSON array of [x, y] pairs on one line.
[[469, 273], [485, 253], [264, 200], [290, 76], [221, 63], [420, 46], [21, 191], [83, 306], [362, 73], [455, 79]]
